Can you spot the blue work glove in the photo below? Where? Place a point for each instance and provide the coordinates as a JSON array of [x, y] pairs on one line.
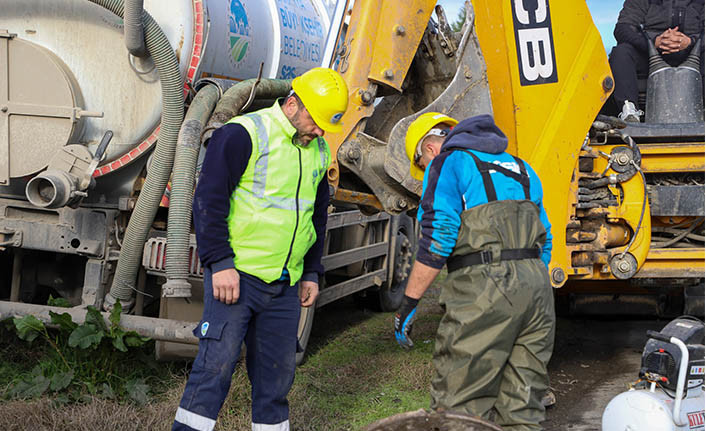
[[404, 320]]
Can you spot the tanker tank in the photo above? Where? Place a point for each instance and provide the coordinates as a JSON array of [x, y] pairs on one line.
[[71, 77]]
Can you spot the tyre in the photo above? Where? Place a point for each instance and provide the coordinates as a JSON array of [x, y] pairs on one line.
[[306, 321], [403, 244]]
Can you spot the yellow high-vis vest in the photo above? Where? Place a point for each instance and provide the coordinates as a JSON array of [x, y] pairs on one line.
[[270, 221]]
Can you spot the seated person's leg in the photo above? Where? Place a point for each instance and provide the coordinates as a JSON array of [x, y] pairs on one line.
[[625, 63]]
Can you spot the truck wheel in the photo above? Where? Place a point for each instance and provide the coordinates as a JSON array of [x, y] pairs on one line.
[[306, 320], [404, 244]]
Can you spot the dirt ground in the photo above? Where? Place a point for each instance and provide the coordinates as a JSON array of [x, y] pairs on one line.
[[593, 361]]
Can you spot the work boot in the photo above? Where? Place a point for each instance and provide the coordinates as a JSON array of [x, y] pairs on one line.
[[630, 113], [549, 399]]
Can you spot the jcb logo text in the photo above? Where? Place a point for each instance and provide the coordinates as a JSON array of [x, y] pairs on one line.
[[534, 41]]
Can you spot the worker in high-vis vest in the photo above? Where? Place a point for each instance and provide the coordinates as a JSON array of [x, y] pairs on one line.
[[481, 215], [260, 211]]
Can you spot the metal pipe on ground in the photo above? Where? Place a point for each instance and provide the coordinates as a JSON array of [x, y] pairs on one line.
[[158, 329], [423, 420]]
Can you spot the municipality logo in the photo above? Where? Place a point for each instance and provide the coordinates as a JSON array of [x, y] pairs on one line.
[[204, 329], [239, 31], [336, 117]]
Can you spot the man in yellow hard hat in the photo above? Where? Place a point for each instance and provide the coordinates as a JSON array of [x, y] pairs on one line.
[[424, 138], [260, 220], [481, 215]]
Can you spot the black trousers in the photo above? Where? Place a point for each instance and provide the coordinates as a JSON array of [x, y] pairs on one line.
[[627, 63]]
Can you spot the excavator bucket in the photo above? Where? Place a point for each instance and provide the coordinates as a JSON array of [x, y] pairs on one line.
[[435, 69]]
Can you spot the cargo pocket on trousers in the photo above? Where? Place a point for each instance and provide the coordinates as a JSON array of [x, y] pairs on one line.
[[212, 352]]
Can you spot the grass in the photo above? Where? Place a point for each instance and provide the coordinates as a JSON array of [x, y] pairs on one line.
[[17, 359], [354, 374]]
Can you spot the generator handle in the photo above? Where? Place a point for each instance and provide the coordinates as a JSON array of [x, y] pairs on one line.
[[658, 336], [683, 368]]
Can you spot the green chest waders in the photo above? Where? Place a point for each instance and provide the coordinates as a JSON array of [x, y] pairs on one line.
[[497, 335]]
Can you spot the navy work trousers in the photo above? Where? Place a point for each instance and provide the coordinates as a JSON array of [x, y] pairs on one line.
[[266, 317]]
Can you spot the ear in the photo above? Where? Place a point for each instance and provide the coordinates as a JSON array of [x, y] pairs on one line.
[[427, 146], [433, 146], [289, 107]]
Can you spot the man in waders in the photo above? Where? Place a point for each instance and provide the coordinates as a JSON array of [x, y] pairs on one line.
[[481, 214], [260, 220]]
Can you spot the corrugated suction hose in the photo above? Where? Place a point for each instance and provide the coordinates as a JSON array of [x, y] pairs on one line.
[[132, 28], [179, 221], [163, 157], [241, 93]]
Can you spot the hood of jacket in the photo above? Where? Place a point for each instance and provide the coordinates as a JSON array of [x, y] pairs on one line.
[[476, 133]]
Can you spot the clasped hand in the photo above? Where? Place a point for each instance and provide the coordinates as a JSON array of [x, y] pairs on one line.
[[672, 40]]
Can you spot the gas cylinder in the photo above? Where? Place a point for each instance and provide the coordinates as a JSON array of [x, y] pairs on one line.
[[651, 410]]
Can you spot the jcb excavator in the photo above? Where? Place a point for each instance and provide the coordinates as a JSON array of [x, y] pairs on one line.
[[87, 147], [626, 203]]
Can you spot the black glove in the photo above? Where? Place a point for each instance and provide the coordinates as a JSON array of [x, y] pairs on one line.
[[404, 320]]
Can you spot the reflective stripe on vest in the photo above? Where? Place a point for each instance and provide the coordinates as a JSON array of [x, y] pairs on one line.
[[281, 203], [260, 174], [263, 223], [263, 141]]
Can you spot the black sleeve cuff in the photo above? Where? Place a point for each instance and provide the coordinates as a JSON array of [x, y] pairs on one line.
[[430, 259], [310, 276], [222, 264]]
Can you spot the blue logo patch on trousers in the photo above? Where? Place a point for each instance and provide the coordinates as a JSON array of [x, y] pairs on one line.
[[204, 329]]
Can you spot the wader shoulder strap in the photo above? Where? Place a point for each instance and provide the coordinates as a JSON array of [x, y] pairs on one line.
[[524, 178], [485, 174], [485, 167]]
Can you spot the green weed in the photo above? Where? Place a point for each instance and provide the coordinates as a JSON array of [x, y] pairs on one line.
[[81, 361]]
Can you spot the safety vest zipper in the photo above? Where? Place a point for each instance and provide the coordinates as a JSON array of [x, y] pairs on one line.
[[296, 203]]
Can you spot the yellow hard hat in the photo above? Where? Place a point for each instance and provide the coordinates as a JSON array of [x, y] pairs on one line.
[[324, 94], [417, 131]]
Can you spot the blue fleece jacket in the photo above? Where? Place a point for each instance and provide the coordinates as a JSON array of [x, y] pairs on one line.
[[453, 184]]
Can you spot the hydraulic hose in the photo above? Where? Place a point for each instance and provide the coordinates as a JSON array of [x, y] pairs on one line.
[[162, 159], [236, 96], [134, 34], [611, 179], [179, 220]]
